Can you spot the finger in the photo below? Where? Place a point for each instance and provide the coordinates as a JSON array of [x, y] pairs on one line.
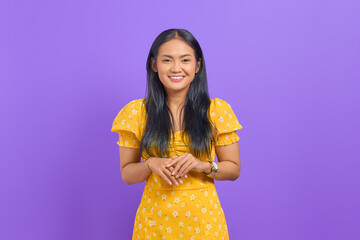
[[179, 179], [176, 159], [172, 178], [171, 169], [179, 165], [183, 167], [173, 162], [187, 169], [167, 160], [167, 178], [163, 175]]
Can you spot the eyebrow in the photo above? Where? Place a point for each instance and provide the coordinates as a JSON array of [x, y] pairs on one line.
[[165, 55]]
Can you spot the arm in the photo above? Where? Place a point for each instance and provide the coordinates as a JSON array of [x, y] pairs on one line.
[[228, 162], [132, 170]]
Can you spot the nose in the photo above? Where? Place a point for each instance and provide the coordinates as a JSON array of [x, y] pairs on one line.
[[176, 67]]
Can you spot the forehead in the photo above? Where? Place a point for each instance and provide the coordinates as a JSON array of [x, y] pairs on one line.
[[175, 47]]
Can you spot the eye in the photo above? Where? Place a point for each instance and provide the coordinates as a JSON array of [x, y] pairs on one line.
[[186, 60], [166, 60]]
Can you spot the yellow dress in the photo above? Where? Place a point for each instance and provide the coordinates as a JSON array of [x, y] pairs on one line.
[[191, 210]]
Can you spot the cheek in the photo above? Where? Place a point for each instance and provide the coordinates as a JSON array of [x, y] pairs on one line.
[[162, 68], [190, 69], [162, 73]]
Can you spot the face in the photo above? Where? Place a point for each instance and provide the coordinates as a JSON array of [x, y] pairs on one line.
[[176, 65]]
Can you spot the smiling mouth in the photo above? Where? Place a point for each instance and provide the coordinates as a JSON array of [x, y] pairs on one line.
[[176, 77]]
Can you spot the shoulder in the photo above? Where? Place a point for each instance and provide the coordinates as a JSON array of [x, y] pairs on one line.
[[218, 105], [218, 102], [130, 117], [132, 110], [136, 104], [223, 116]]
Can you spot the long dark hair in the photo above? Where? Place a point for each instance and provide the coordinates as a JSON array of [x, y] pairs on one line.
[[198, 126]]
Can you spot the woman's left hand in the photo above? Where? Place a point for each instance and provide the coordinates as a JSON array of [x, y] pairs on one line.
[[185, 163]]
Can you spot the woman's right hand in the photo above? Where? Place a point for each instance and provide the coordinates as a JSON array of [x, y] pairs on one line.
[[158, 166]]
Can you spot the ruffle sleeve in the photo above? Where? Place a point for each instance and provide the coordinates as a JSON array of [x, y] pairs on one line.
[[129, 124], [225, 121]]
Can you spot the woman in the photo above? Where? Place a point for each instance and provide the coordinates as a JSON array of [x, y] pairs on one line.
[[176, 130]]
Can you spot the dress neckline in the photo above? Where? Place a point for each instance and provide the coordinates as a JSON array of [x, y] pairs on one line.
[[179, 131]]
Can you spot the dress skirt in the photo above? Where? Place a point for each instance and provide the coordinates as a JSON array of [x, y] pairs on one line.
[[191, 210]]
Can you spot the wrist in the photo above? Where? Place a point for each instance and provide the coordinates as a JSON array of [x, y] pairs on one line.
[[148, 162], [213, 169], [207, 167]]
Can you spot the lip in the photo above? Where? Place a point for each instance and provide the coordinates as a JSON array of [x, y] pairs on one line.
[[177, 80]]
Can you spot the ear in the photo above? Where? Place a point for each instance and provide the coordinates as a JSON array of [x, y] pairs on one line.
[[198, 65], [153, 64]]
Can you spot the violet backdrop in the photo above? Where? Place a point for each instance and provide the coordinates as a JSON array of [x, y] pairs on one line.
[[289, 69]]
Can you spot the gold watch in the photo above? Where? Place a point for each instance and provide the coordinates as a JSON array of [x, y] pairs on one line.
[[214, 169]]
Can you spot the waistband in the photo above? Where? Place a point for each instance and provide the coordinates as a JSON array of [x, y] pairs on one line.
[[193, 181]]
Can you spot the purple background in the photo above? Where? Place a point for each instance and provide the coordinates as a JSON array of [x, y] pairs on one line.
[[289, 69]]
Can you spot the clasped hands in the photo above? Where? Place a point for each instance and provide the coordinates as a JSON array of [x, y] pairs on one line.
[[172, 169]]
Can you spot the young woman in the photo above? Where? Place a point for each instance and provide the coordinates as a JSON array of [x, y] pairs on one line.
[[177, 129]]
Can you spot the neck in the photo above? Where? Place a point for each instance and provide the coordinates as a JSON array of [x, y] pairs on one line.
[[175, 100]]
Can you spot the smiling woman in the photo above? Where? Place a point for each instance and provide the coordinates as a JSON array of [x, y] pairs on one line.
[[177, 129], [176, 65]]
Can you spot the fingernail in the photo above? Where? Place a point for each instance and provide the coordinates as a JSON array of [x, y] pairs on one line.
[[170, 183], [186, 176], [173, 173], [177, 175], [181, 181]]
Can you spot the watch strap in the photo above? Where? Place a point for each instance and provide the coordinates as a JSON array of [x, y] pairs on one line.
[[213, 169]]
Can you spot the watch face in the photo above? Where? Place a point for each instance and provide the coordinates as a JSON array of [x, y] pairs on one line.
[[215, 166]]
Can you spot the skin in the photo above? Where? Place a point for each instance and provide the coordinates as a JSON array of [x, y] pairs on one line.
[[176, 57]]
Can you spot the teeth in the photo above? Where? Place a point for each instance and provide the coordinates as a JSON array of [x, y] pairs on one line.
[[176, 77]]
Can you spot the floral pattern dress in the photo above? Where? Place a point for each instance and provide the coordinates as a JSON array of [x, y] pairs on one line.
[[191, 210]]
